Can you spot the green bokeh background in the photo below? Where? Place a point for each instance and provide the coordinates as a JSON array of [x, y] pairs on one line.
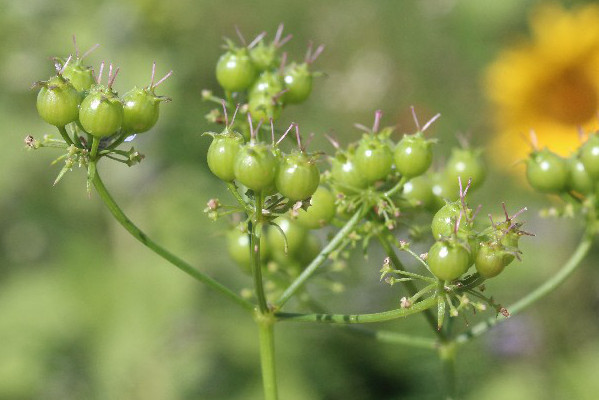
[[88, 313]]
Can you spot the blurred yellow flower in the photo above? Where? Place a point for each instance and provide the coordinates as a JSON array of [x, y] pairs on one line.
[[549, 84]]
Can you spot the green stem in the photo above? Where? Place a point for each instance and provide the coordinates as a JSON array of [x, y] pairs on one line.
[[408, 285], [91, 167], [233, 189], [267, 357], [56, 145], [228, 98], [65, 134], [322, 257], [116, 151], [549, 286], [359, 318], [385, 336], [397, 187], [108, 155], [382, 335], [472, 283], [176, 261], [95, 146], [447, 355], [255, 232], [120, 139]]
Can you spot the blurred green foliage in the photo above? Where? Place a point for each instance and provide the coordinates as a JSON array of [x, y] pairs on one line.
[[86, 312]]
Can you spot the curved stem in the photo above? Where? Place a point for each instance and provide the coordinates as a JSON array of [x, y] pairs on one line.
[[322, 257], [176, 261], [408, 285], [233, 189], [556, 279], [397, 187], [65, 135], [359, 318], [120, 139]]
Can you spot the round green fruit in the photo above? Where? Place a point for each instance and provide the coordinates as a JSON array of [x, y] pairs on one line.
[[346, 177], [81, 77], [140, 110], [222, 155], [448, 260], [413, 155], [589, 155], [101, 112], [373, 159], [235, 70], [321, 211], [238, 246], [298, 83], [443, 223], [547, 172], [297, 177], [491, 260], [58, 102], [418, 192], [466, 164], [295, 237], [579, 179], [255, 166]]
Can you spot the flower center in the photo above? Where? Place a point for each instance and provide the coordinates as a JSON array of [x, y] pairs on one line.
[[570, 98]]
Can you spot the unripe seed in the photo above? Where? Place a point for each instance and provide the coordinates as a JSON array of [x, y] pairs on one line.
[[140, 110], [547, 172], [101, 112], [297, 177], [58, 102]]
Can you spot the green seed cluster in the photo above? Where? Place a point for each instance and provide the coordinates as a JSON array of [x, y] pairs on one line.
[[92, 119], [364, 171], [284, 253], [263, 168], [548, 172], [392, 178], [458, 245], [259, 76], [259, 82], [289, 185], [276, 248], [75, 96], [376, 161]]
